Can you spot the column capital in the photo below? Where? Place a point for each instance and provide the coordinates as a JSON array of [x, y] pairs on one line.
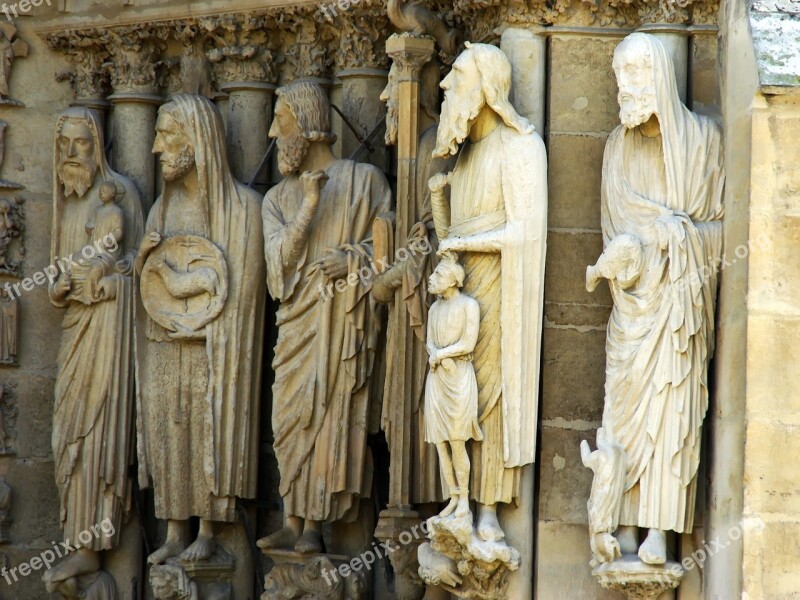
[[361, 40], [308, 47], [86, 52], [135, 51], [239, 48], [409, 52]]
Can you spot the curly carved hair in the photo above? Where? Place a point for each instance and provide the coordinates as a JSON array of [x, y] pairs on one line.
[[309, 104]]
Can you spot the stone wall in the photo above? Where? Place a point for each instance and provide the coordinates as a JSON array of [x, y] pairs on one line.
[[580, 111]]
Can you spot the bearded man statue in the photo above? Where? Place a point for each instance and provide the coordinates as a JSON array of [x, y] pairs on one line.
[[202, 284], [497, 220], [661, 215], [317, 236], [94, 397]]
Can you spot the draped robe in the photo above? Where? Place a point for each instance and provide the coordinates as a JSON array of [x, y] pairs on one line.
[[326, 345], [93, 412], [199, 400], [660, 334], [499, 189]]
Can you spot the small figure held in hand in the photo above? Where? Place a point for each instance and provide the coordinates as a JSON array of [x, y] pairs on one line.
[[109, 220], [451, 391]]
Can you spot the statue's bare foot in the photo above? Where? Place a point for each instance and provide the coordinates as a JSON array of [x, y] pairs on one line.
[[488, 526], [170, 549], [201, 549], [284, 538], [462, 510], [309, 543], [653, 550], [81, 562], [448, 510]]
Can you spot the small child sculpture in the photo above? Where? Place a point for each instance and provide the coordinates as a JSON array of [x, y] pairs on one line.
[[109, 220], [451, 390]]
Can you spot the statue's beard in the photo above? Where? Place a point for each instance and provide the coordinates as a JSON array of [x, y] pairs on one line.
[[292, 151], [456, 118], [78, 178], [178, 165], [392, 118], [635, 108]]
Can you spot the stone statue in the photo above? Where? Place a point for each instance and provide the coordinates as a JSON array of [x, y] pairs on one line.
[[318, 244], [9, 327], [108, 221], [94, 400], [497, 220], [662, 231], [11, 229], [11, 48], [409, 271], [451, 392], [202, 285]]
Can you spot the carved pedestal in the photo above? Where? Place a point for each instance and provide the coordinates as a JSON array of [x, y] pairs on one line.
[[638, 580], [312, 576], [392, 525], [204, 580], [463, 564]]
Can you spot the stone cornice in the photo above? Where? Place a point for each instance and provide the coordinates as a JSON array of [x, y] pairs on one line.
[[316, 40]]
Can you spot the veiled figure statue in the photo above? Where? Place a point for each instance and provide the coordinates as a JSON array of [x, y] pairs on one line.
[[662, 231], [94, 398], [202, 283], [318, 236], [497, 220]]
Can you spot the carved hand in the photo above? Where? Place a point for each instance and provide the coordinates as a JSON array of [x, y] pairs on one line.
[[450, 244], [333, 264], [418, 232], [591, 279], [437, 183], [312, 182], [151, 242], [62, 286]]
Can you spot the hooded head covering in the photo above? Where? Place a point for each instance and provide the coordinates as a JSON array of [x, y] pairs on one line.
[[129, 201]]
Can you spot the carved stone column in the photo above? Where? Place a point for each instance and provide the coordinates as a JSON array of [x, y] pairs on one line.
[[361, 66], [135, 52], [409, 54], [244, 69], [526, 50]]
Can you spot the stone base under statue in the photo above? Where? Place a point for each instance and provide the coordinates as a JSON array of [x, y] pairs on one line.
[[455, 554], [202, 580], [638, 580], [317, 576]]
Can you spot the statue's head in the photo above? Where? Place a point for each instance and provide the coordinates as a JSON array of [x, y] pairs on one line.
[[428, 98], [302, 117], [633, 67], [389, 95], [77, 159], [173, 144], [447, 274], [480, 76], [108, 192]]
